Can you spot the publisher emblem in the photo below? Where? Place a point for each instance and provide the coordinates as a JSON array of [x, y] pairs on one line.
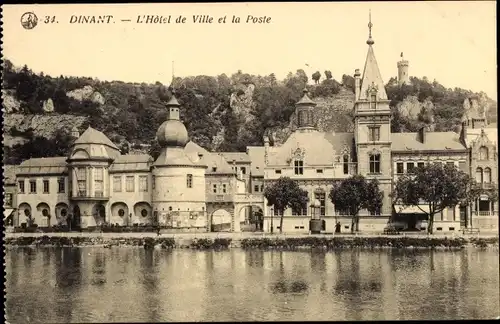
[[29, 20]]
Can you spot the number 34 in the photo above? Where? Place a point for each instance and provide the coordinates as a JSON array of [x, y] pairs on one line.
[[49, 19]]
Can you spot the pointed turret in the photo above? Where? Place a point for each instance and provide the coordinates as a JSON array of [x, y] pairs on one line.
[[305, 112], [371, 82]]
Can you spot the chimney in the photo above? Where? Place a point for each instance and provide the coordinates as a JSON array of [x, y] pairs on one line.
[[357, 84], [266, 149], [463, 133], [421, 134]]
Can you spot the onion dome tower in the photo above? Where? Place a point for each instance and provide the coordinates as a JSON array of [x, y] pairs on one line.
[[178, 181]]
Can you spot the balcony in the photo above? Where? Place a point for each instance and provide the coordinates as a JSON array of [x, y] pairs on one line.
[[485, 185], [83, 195], [485, 213]]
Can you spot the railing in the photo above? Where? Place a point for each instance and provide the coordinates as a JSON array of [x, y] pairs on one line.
[[485, 185], [485, 213], [81, 194]]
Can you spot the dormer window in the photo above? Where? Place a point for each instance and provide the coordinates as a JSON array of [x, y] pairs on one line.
[[299, 167], [373, 100]]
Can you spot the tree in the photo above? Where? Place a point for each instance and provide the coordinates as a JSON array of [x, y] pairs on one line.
[[316, 76], [328, 74], [434, 186], [285, 193], [356, 193]]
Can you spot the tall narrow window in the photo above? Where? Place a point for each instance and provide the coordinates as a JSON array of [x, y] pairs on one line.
[[99, 182], [374, 133], [299, 167], [321, 196], [301, 118], [483, 153], [487, 175], [224, 188], [399, 168], [346, 163], [243, 170], [45, 186], [117, 184], [8, 199], [302, 211], [32, 186], [410, 166], [61, 185], [479, 175], [189, 181], [129, 184], [143, 183], [420, 164], [462, 166], [375, 163], [81, 176], [21, 186], [214, 188], [153, 182], [373, 101]]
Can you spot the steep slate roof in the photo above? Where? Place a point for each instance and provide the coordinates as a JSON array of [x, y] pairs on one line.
[[93, 136], [371, 75], [320, 148], [237, 156], [131, 162], [475, 133], [256, 154], [51, 165], [209, 159], [434, 141]]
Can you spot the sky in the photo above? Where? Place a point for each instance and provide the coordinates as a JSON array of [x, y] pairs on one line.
[[452, 42]]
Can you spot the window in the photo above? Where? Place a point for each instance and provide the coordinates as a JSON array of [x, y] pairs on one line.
[[346, 163], [399, 168], [32, 186], [99, 182], [256, 188], [483, 153], [21, 186], [300, 211], [410, 166], [375, 212], [143, 183], [319, 170], [450, 164], [214, 169], [8, 199], [276, 213], [45, 186], [117, 184], [61, 188], [153, 182], [121, 212], [373, 101], [299, 167], [224, 189], [214, 188], [243, 170], [462, 166], [81, 176], [322, 202], [487, 175], [301, 118], [420, 164], [261, 188], [277, 171], [439, 163], [375, 163], [144, 212], [479, 175], [129, 184], [189, 181], [374, 134]]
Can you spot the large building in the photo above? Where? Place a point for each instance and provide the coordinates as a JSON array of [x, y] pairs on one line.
[[188, 188]]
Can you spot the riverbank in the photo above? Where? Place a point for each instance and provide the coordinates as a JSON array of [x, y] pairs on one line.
[[249, 241]]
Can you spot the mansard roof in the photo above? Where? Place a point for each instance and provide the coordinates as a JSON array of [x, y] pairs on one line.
[[236, 156], [209, 159], [319, 148], [50, 165], [131, 162], [93, 136], [434, 141]]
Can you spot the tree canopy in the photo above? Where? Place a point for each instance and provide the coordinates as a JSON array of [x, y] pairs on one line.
[[355, 193], [285, 193]]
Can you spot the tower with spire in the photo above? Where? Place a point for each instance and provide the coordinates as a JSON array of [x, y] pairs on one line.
[[372, 123], [403, 77]]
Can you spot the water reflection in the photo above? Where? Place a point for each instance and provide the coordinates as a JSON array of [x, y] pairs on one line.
[[104, 285]]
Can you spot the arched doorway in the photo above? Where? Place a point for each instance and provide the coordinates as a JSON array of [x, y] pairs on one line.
[[99, 213], [25, 216], [143, 213], [43, 210], [220, 221], [62, 212], [251, 218], [119, 211], [74, 221]]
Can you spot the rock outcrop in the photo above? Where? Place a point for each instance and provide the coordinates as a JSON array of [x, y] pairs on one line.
[[87, 93], [48, 106], [241, 101], [9, 102]]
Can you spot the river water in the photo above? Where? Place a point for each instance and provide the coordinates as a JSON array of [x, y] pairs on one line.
[[130, 284]]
